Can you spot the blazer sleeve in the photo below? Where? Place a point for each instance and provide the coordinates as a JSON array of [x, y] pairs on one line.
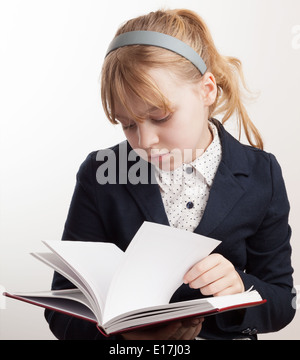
[[83, 223], [269, 267]]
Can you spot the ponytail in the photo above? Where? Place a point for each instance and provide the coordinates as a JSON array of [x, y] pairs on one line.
[[229, 78]]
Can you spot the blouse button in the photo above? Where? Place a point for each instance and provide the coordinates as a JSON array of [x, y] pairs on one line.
[[189, 170], [190, 205]]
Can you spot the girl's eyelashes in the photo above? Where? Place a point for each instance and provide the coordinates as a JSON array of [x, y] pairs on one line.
[[129, 126], [164, 119], [125, 125], [132, 125]]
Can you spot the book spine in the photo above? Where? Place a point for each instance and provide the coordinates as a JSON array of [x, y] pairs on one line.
[[102, 331]]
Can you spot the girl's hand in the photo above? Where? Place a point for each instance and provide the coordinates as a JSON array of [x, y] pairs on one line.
[[178, 330], [215, 276]]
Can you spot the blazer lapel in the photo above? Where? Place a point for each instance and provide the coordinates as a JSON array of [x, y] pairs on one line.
[[148, 199], [227, 187], [224, 194]]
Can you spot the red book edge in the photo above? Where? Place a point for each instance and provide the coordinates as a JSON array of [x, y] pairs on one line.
[[47, 307], [206, 313], [156, 323]]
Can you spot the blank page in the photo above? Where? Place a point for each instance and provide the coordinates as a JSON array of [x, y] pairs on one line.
[[153, 267]]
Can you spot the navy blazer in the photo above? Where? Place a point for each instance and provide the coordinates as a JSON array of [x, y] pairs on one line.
[[247, 210]]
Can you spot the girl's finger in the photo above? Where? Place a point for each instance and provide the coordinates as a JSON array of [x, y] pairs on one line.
[[202, 267]]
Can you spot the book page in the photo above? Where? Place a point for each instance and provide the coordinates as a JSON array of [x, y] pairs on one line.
[[93, 262], [198, 307], [57, 264], [153, 267], [235, 299], [70, 302]]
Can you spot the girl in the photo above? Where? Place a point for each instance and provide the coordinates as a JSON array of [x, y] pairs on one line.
[[163, 80]]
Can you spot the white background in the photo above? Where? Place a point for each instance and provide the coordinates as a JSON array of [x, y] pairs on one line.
[[51, 54]]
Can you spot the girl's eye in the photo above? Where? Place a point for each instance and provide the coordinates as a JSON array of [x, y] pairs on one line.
[[129, 126], [157, 121], [166, 118]]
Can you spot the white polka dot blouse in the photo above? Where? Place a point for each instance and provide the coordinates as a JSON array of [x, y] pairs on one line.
[[185, 190]]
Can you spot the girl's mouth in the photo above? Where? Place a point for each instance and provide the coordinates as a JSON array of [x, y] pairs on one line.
[[158, 156], [155, 156]]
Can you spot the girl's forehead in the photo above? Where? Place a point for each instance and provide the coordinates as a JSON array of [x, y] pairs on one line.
[[164, 78], [172, 89]]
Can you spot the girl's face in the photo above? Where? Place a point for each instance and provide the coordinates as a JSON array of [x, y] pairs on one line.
[[169, 139]]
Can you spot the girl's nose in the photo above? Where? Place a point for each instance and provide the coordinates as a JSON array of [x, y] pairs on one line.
[[148, 135]]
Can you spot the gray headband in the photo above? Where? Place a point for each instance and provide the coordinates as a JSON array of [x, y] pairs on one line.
[[153, 38]]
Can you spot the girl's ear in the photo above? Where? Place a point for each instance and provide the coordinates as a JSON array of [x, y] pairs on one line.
[[208, 88]]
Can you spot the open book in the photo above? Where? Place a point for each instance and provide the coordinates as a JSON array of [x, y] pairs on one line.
[[121, 291]]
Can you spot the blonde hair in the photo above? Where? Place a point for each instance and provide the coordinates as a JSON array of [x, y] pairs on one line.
[[124, 70]]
